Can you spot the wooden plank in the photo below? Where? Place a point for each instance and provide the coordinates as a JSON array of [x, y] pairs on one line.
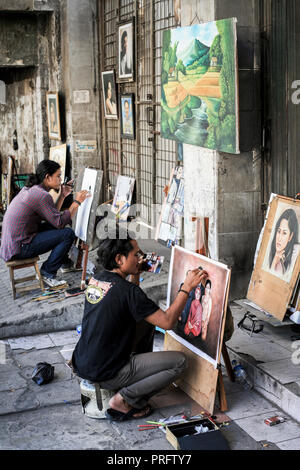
[[267, 290], [199, 380]]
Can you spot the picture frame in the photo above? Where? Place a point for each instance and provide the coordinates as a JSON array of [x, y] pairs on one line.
[[127, 116], [109, 91], [126, 51], [277, 266], [53, 115]]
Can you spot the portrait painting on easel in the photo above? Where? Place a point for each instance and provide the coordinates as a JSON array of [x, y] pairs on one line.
[[200, 325], [277, 265]]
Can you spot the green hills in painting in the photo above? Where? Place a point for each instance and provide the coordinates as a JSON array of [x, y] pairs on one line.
[[199, 90]]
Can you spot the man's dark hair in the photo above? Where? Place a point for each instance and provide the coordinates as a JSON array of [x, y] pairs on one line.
[[44, 168], [109, 248]]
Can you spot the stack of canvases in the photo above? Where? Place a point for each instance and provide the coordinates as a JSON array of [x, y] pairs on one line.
[[275, 281]]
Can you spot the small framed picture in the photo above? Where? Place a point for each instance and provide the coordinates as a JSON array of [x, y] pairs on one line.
[[127, 116], [109, 95], [53, 117], [126, 51]]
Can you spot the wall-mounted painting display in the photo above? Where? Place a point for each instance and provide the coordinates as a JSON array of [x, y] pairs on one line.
[[200, 326], [126, 36], [58, 154], [278, 262], [123, 197], [109, 95], [169, 227], [127, 116], [53, 116], [199, 95]]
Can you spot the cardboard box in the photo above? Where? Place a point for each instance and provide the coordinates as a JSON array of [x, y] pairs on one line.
[[184, 437]]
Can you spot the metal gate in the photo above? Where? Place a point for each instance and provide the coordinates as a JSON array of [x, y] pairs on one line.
[[281, 75], [148, 158]]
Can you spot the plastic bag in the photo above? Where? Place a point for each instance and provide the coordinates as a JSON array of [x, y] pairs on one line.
[[43, 373]]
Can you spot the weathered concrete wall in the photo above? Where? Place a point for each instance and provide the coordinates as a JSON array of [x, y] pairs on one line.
[[81, 81], [227, 187], [27, 84]]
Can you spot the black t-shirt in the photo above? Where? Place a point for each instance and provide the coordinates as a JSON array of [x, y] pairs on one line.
[[112, 308]]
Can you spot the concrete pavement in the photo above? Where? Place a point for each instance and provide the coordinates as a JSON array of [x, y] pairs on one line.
[[49, 417]]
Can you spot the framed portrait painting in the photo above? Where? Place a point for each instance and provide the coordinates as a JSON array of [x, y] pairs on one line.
[[109, 95], [278, 262], [126, 51], [127, 116], [53, 116]]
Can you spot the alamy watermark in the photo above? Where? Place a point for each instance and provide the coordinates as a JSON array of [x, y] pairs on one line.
[[296, 94], [296, 353], [2, 352]]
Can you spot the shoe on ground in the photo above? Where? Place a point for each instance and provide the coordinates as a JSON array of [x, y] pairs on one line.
[[52, 282], [69, 268]]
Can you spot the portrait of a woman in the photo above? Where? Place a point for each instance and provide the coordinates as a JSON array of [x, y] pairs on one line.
[[194, 321], [110, 105], [285, 243], [206, 303], [109, 95]]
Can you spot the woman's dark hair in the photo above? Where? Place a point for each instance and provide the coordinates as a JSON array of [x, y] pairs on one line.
[[123, 50], [208, 282], [290, 216], [44, 168], [109, 248]]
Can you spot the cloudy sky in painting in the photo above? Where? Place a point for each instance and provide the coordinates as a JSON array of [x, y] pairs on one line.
[[204, 32]]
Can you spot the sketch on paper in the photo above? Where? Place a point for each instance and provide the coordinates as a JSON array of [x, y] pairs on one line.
[[200, 324], [169, 228], [199, 95], [123, 197], [83, 214]]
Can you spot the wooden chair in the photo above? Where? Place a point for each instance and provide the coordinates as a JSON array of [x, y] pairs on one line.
[[22, 264]]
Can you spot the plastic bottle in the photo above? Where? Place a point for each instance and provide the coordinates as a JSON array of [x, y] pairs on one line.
[[241, 375], [78, 329]]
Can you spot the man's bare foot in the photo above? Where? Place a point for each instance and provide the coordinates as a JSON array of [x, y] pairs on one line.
[[118, 403]]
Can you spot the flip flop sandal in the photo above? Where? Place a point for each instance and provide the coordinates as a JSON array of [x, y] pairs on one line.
[[115, 415]]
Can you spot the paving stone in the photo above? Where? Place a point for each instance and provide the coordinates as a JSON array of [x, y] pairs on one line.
[[282, 370], [12, 380], [258, 430], [31, 342], [247, 403], [67, 351], [61, 338], [18, 400], [55, 392], [31, 358], [292, 444]]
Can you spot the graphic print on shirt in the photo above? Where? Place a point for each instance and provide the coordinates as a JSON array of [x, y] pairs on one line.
[[97, 290]]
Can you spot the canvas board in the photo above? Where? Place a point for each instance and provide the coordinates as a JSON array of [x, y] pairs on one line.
[[278, 262], [200, 327], [123, 197], [83, 213], [199, 76], [169, 227]]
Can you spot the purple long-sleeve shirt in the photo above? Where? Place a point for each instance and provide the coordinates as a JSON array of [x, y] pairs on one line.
[[23, 217]]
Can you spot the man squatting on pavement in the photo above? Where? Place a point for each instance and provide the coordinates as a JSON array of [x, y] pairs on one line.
[[118, 330], [34, 225]]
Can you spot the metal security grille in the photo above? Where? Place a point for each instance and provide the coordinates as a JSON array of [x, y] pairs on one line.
[[148, 158]]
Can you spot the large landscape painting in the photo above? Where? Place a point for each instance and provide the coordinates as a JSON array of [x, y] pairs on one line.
[[199, 96]]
